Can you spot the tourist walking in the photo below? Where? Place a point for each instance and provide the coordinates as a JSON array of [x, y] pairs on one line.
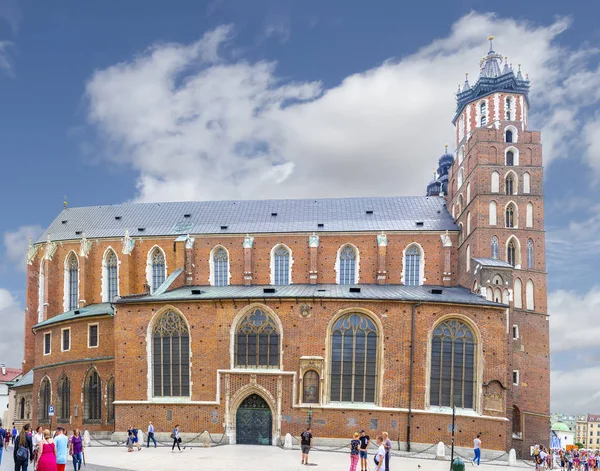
[[2, 438], [6, 441], [129, 439], [176, 438], [46, 456], [387, 444], [76, 449], [23, 449], [365, 440], [62, 448], [37, 438], [151, 435], [13, 434], [380, 455], [354, 446], [306, 444], [477, 450], [136, 440]]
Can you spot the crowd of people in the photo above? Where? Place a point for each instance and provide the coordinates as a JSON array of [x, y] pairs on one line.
[[573, 459]]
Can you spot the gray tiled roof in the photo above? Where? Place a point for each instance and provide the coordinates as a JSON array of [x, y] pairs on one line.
[[26, 380], [399, 213], [453, 295], [492, 262], [92, 310]]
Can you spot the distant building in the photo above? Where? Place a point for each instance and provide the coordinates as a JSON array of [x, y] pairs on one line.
[[8, 377], [561, 436], [588, 431]]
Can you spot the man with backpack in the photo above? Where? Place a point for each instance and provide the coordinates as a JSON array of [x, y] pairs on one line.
[[23, 449]]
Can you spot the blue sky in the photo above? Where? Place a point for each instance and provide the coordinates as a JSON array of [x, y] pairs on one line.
[[106, 102]]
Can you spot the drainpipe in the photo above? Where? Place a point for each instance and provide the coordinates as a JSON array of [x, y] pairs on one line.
[[410, 377]]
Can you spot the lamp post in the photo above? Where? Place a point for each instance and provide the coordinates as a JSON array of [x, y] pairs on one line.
[[453, 429]]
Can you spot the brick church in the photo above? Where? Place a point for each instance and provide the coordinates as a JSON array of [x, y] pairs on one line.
[[253, 318]]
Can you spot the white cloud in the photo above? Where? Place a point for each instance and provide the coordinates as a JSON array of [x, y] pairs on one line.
[[575, 391], [5, 62], [197, 126], [15, 244], [11, 333]]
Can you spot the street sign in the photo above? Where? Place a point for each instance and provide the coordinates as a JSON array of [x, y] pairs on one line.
[[50, 411]]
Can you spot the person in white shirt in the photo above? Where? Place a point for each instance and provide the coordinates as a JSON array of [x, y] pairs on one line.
[[380, 455], [543, 456], [477, 450], [37, 438], [151, 435]]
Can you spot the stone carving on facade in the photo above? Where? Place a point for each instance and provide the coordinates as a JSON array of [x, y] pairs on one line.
[[305, 310], [382, 240], [85, 246], [31, 252], [313, 240], [128, 243], [189, 242], [253, 379], [493, 397], [446, 241], [311, 363], [50, 248], [248, 242]]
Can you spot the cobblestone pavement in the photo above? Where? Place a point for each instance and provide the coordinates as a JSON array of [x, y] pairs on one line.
[[235, 457]]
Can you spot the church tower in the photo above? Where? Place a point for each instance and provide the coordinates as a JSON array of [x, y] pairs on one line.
[[495, 195]]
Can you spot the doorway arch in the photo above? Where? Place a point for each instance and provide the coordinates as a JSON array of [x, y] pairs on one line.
[[254, 421]]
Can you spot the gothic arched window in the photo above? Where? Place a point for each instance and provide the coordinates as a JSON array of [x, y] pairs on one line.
[[510, 158], [44, 401], [511, 253], [510, 216], [495, 182], [92, 398], [112, 279], [509, 185], [72, 269], [495, 246], [220, 267], [347, 264], [509, 136], [493, 216], [22, 409], [483, 113], [110, 400], [281, 266], [158, 269], [508, 113], [529, 296], [412, 264], [353, 359], [518, 294], [257, 341], [171, 356], [64, 400], [310, 387], [452, 379], [529, 253]]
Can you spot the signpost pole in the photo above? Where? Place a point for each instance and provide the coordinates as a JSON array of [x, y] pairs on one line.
[[453, 428]]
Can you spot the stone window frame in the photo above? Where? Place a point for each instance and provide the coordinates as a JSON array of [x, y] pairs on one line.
[[92, 324], [49, 352], [422, 278], [211, 263], [67, 282], [316, 364], [338, 263], [150, 266], [273, 264], [62, 342], [105, 275]]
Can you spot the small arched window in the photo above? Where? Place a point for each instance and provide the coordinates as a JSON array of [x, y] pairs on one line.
[[518, 294], [497, 295], [22, 409], [111, 276], [460, 233], [347, 265], [529, 296], [158, 269], [508, 112], [495, 246], [453, 365], [92, 398], [353, 359], [468, 258], [511, 253], [529, 215], [510, 158], [310, 387], [468, 193], [64, 400], [483, 113], [526, 183], [281, 266], [110, 400], [412, 264], [517, 431], [508, 136], [497, 280], [220, 267], [495, 182], [509, 184], [257, 341], [44, 401], [510, 216], [72, 269], [171, 356], [529, 253], [468, 223], [461, 174], [493, 219]]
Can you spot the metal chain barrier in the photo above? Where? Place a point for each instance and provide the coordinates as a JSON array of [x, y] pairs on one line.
[[186, 444]]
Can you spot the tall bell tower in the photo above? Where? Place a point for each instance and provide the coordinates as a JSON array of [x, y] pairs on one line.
[[495, 194]]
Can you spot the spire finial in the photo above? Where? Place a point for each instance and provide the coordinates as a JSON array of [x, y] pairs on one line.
[[65, 202], [446, 146], [490, 39]]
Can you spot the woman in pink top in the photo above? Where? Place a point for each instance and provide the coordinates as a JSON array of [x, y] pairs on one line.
[[47, 453]]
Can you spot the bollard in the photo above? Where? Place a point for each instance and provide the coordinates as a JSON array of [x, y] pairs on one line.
[[440, 453], [512, 457], [86, 439], [287, 444]]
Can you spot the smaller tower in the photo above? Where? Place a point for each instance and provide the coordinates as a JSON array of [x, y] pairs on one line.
[[439, 186]]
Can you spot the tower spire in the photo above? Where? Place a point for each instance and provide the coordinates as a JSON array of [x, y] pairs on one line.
[[491, 39]]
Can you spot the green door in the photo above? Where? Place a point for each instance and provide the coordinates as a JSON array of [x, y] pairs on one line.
[[253, 422]]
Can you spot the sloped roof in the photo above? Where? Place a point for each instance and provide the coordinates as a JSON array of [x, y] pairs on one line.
[[427, 293], [11, 374], [492, 262], [397, 213], [560, 427], [26, 380], [93, 310]]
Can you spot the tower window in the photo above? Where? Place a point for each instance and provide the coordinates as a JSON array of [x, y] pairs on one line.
[[483, 112], [510, 158], [529, 253], [510, 185], [495, 247], [510, 216], [508, 110], [511, 253], [509, 136]]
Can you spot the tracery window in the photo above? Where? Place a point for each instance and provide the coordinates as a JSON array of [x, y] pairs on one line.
[[171, 356], [92, 398], [73, 282], [281, 266], [511, 253], [158, 269], [310, 387], [510, 216], [530, 253], [64, 400], [354, 370], [509, 185], [44, 402], [412, 262], [257, 341], [347, 264], [495, 246], [452, 379], [221, 267], [112, 281], [110, 399]]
